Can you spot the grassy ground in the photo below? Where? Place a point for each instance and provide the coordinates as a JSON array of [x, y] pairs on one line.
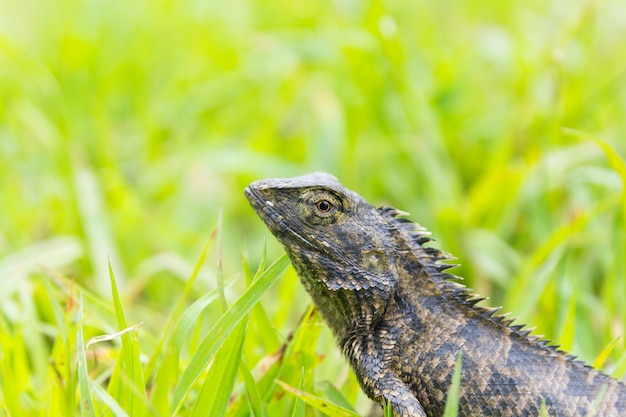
[[125, 127]]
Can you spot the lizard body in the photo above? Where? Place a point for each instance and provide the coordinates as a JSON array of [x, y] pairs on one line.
[[401, 320]]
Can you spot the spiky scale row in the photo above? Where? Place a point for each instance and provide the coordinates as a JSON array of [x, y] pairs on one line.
[[402, 320]]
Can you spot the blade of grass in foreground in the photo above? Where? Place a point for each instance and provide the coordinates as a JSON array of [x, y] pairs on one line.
[[84, 385], [165, 375], [598, 363], [180, 306], [387, 410], [257, 408], [452, 402], [218, 385], [128, 370], [298, 409], [279, 363], [113, 406], [226, 323], [318, 403], [190, 317], [60, 382]]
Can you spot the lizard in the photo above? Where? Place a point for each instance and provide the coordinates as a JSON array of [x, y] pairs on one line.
[[402, 319]]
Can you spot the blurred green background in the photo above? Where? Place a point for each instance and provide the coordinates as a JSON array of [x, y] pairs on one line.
[[125, 127]]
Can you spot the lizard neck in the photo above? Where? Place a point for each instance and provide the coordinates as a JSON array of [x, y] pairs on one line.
[[344, 309]]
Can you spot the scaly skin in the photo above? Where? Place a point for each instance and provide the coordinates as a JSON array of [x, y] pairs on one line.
[[402, 321]]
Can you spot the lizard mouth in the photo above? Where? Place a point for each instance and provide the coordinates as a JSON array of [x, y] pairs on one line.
[[268, 213], [265, 209], [249, 195], [256, 201]]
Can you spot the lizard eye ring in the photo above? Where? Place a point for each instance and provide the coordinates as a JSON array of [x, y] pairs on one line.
[[324, 206], [321, 207]]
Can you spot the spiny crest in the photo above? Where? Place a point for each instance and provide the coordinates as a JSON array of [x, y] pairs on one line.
[[416, 236], [431, 258]]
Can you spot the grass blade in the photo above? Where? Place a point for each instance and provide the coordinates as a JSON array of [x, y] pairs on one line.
[[227, 322], [387, 410], [318, 403], [452, 403], [127, 383], [252, 391], [84, 384], [604, 355], [190, 317], [109, 401], [298, 408], [109, 337], [335, 395], [179, 308], [285, 362], [220, 267], [61, 399], [218, 385]]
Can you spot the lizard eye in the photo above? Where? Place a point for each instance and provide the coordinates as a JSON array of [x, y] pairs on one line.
[[324, 206], [320, 207]]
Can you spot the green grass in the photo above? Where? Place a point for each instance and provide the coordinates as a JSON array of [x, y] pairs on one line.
[[125, 127]]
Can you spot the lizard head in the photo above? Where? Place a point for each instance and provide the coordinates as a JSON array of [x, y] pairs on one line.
[[339, 244]]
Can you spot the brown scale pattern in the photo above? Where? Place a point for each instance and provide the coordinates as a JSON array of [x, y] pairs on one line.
[[401, 320]]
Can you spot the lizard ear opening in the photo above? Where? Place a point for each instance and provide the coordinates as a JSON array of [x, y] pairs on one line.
[[374, 260]]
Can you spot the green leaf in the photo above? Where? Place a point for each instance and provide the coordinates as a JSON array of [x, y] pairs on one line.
[[218, 384], [568, 328], [298, 409], [333, 394], [60, 380], [176, 327], [190, 317], [388, 410], [226, 323], [257, 407], [452, 402], [284, 362], [164, 379], [604, 355], [127, 383], [84, 383], [220, 268], [321, 404], [109, 337], [265, 330], [109, 401]]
